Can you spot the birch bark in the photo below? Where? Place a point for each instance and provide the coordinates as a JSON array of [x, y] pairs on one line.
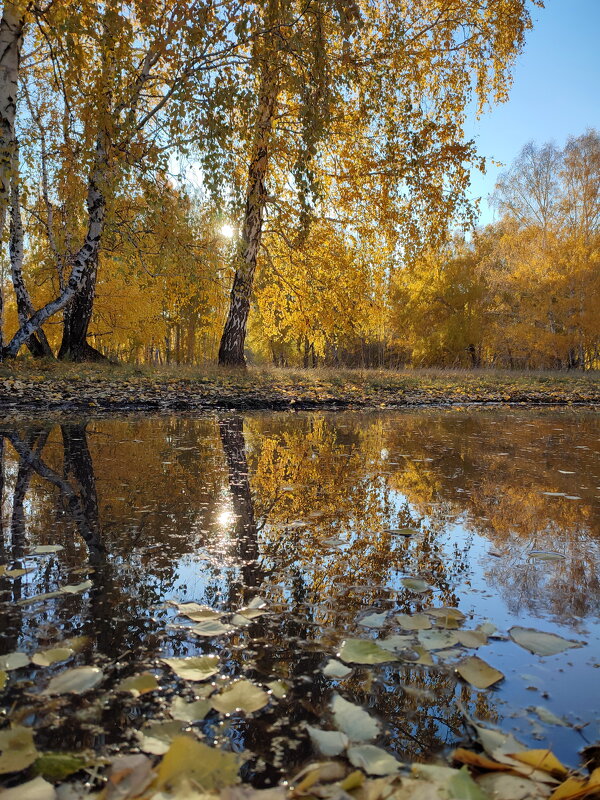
[[231, 350]]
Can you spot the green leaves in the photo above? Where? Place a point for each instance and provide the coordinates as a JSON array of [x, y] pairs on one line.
[[17, 749]]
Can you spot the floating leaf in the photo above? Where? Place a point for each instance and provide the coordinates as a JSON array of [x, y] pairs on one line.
[[373, 760], [37, 789], [138, 684], [17, 573], [17, 749], [335, 669], [209, 767], [198, 613], [58, 766], [548, 717], [279, 688], [76, 588], [511, 787], [194, 668], [243, 695], [478, 673], [44, 549], [13, 661], [45, 658], [364, 651], [437, 640], [446, 612], [415, 585], [353, 720], [75, 681], [395, 642], [156, 738], [475, 638], [539, 642], [401, 531], [373, 620], [328, 743], [189, 712], [545, 555], [413, 622], [211, 627], [3, 679]]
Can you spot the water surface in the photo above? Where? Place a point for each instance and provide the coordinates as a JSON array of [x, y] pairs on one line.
[[303, 510]]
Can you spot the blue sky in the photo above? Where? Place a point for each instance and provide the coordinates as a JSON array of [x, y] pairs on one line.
[[555, 93]]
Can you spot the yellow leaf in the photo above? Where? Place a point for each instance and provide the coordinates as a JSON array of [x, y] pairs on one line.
[[541, 759], [209, 767]]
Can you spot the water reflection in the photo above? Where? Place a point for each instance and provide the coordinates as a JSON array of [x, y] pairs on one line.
[[305, 510]]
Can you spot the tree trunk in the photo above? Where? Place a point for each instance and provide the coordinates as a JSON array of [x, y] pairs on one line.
[[74, 345], [37, 342], [85, 259], [231, 350], [11, 39]]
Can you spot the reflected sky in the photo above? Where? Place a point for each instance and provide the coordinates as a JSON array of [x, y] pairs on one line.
[[310, 511]]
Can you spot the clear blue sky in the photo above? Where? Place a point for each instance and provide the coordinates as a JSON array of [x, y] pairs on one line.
[[555, 93]]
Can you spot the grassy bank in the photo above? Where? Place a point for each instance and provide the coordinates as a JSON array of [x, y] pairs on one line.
[[25, 386]]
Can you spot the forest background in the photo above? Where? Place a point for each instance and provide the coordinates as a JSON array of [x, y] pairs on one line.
[[328, 222]]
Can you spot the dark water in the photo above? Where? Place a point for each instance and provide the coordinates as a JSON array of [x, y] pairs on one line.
[[297, 508]]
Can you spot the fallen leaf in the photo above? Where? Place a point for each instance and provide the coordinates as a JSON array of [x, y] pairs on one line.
[[211, 627], [364, 651], [415, 585], [138, 684], [354, 721], [129, 776], [328, 743], [37, 789], [541, 759], [194, 668], [437, 640], [209, 767], [75, 681], [373, 760], [189, 712], [373, 620], [478, 673], [45, 658], [58, 766], [539, 642], [13, 661], [17, 749], [413, 622], [76, 588], [512, 787], [44, 549], [335, 669], [198, 613], [241, 695]]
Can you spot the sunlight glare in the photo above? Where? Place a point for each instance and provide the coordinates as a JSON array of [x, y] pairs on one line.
[[227, 231]]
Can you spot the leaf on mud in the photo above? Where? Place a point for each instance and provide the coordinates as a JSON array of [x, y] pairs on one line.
[[512, 787], [540, 643], [189, 712], [373, 760], [241, 695], [138, 684], [43, 549], [17, 749], [13, 661], [335, 669], [76, 588], [194, 668], [211, 627], [413, 622], [415, 585], [37, 789], [75, 681], [478, 673], [328, 743], [437, 640], [364, 651], [374, 620], [45, 658], [198, 613], [353, 720], [189, 759]]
